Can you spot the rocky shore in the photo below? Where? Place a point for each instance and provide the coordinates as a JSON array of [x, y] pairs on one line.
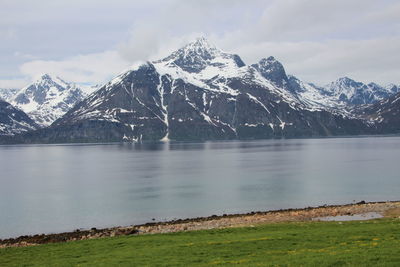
[[386, 209]]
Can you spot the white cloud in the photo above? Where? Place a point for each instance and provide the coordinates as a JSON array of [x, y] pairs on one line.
[[13, 83], [91, 68], [320, 41], [8, 34], [317, 40], [321, 62]]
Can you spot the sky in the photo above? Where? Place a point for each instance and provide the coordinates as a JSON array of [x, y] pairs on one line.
[[91, 41]]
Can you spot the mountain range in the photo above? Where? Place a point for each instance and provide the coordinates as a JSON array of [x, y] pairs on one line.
[[47, 99], [14, 121], [200, 92]]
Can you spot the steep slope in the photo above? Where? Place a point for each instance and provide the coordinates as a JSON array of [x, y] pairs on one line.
[[47, 99], [272, 70], [315, 97], [392, 88], [198, 92], [14, 121], [340, 97], [309, 95], [201, 56], [385, 114], [350, 92]]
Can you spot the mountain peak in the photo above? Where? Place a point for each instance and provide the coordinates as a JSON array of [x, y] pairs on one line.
[[197, 55], [269, 62], [200, 47], [203, 42], [345, 79], [271, 59], [48, 80], [45, 76], [47, 98], [353, 92], [392, 88], [272, 70], [344, 83]]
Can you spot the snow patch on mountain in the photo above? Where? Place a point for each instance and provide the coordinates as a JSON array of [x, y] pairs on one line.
[[313, 96], [340, 96], [47, 99], [204, 65], [14, 121], [202, 92], [199, 62], [348, 91], [7, 94]]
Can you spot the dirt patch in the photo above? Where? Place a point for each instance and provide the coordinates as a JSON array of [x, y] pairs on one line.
[[392, 213], [389, 209]]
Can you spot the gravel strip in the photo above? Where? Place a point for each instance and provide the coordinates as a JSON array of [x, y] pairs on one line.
[[391, 209]]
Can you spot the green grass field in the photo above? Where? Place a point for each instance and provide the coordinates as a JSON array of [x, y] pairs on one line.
[[365, 243]]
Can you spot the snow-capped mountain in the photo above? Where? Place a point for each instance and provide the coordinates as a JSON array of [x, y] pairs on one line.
[[308, 95], [385, 114], [392, 88], [47, 99], [202, 58], [6, 94], [13, 120], [315, 97], [341, 96], [348, 91], [202, 92], [197, 92], [337, 97]]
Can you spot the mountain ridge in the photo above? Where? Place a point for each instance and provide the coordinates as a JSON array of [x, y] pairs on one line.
[[7, 93], [200, 92], [14, 121], [47, 99]]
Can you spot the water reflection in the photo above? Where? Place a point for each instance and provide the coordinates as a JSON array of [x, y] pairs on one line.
[[51, 188]]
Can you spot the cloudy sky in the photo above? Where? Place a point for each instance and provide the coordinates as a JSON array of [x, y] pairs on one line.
[[90, 41]]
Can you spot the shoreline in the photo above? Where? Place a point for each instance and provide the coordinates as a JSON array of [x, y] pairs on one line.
[[384, 208], [316, 137]]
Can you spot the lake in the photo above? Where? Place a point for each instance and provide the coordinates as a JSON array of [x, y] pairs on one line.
[[54, 188]]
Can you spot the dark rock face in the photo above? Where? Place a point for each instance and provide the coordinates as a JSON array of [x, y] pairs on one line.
[[384, 114], [131, 104], [393, 89], [272, 70], [296, 86], [6, 94], [14, 121], [378, 92], [134, 110]]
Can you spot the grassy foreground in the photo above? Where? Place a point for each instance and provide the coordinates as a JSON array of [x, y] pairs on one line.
[[365, 243]]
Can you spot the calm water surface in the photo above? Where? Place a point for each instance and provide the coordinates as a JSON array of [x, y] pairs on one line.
[[54, 188]]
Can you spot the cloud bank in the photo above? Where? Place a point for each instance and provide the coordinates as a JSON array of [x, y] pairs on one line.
[[89, 42]]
